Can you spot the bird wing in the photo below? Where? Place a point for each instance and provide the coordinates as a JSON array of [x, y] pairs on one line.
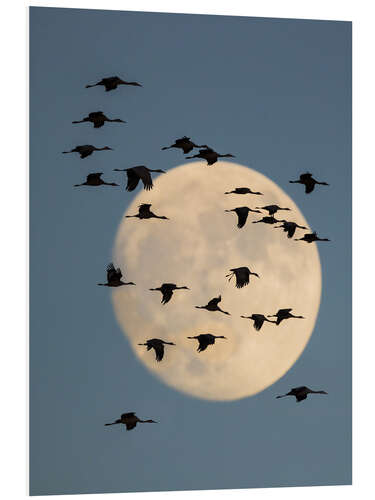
[[110, 83], [281, 312], [301, 397], [242, 217], [203, 343], [94, 177], [187, 147], [98, 123], [130, 425], [291, 229], [133, 179], [144, 209], [215, 301], [145, 176], [305, 177], [242, 277], [167, 295], [127, 415], [258, 321], [159, 351], [309, 186], [113, 274]]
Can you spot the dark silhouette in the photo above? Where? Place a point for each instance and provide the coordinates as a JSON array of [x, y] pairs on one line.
[[268, 220], [114, 277], [242, 190], [144, 212], [290, 228], [112, 82], [86, 150], [272, 209], [130, 420], [310, 237], [242, 213], [301, 393], [158, 346], [167, 291], [95, 180], [283, 314], [206, 339], [213, 305], [308, 181], [185, 144], [98, 118], [135, 174], [258, 319], [242, 275], [210, 155]]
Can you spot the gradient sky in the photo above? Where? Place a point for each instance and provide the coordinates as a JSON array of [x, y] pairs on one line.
[[277, 94]]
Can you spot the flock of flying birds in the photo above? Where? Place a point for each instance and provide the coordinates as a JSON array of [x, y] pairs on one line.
[[242, 274]]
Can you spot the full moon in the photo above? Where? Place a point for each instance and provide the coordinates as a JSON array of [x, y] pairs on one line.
[[196, 248]]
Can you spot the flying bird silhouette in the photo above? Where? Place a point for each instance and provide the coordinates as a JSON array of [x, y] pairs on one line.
[[158, 346], [272, 209], [242, 213], [95, 180], [290, 228], [167, 290], [268, 220], [86, 150], [139, 173], [308, 181], [206, 339], [98, 118], [144, 212], [213, 305], [301, 393], [310, 237], [242, 275], [114, 277], [283, 314], [185, 144], [258, 319], [130, 420], [112, 82], [210, 155], [242, 190]]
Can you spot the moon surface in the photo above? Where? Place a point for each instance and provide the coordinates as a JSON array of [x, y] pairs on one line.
[[196, 248]]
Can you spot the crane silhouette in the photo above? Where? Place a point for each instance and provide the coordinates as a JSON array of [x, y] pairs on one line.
[[144, 212], [158, 346], [290, 228], [268, 220], [95, 180], [206, 339], [213, 305], [86, 150], [310, 237], [308, 181], [139, 173], [242, 213], [112, 82], [283, 314], [130, 420], [98, 118], [258, 319], [185, 144], [114, 277], [301, 393], [242, 275], [167, 290], [242, 190], [210, 155], [272, 209]]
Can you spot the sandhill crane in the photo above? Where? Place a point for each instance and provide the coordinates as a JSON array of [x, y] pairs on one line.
[[86, 150], [283, 314], [114, 277], [242, 213], [308, 181], [95, 180], [301, 393], [144, 212], [310, 237], [290, 228], [272, 209], [98, 118], [243, 190], [213, 305], [112, 82], [185, 144], [158, 346], [167, 291], [130, 420], [206, 339], [242, 275], [210, 155], [258, 319], [135, 174], [268, 220]]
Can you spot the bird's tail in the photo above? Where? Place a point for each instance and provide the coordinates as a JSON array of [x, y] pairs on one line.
[[230, 276]]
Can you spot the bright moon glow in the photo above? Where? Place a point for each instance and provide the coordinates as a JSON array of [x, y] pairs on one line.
[[196, 248]]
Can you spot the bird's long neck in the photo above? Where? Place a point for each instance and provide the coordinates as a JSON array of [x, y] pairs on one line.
[[120, 169], [283, 396], [317, 392], [299, 317], [103, 284], [83, 184], [128, 216], [79, 121]]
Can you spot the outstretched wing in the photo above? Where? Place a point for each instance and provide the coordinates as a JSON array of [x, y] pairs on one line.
[[309, 186], [127, 415], [112, 273], [203, 344], [242, 277], [94, 177], [258, 321], [282, 312], [242, 217], [98, 122], [145, 176], [130, 425], [291, 229], [215, 301], [167, 295], [144, 209], [133, 179], [159, 351]]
